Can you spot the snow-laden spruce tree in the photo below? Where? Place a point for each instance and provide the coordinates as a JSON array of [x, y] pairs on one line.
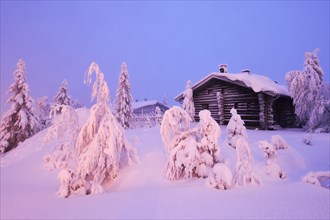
[[244, 174], [305, 85], [124, 98], [62, 97], [100, 141], [21, 121], [190, 152], [272, 165], [63, 132], [44, 110], [235, 128], [188, 102], [208, 134]]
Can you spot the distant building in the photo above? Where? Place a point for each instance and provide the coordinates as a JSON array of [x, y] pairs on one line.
[[145, 107], [261, 102]]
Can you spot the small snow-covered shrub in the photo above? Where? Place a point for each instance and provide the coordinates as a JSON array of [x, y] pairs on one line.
[[183, 160], [272, 166], [220, 177], [317, 178], [279, 142], [244, 174], [235, 128], [190, 152], [65, 178]]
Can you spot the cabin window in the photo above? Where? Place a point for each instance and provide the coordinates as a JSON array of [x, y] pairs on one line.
[[209, 91], [205, 106]]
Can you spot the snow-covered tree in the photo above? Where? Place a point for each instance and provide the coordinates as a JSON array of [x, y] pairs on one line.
[[272, 166], [100, 141], [21, 121], [64, 129], [188, 102], [244, 174], [158, 115], [180, 145], [175, 121], [124, 98], [62, 97], [317, 178], [75, 103], [208, 134], [235, 128], [278, 142], [319, 120], [190, 152], [305, 85], [220, 177], [44, 110]]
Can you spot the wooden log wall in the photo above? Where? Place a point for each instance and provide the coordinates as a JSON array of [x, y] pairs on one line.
[[234, 96]]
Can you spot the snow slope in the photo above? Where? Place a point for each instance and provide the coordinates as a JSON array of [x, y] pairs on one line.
[[28, 191]]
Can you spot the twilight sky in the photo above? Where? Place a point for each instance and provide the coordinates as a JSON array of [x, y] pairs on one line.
[[163, 43]]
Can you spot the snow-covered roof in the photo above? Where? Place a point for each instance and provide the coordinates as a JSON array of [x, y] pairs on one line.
[[140, 104], [258, 83]]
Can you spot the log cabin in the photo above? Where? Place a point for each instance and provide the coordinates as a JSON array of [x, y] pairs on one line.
[[261, 102]]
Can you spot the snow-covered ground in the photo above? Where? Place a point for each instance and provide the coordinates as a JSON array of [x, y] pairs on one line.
[[141, 191]]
